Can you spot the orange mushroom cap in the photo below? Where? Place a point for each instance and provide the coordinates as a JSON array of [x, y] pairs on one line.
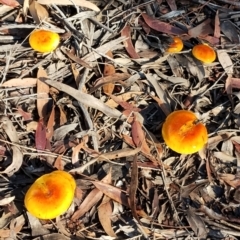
[[183, 133], [204, 53], [50, 195], [176, 45], [44, 41]]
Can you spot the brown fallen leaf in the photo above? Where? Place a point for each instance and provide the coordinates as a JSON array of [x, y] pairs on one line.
[[138, 136], [127, 139], [104, 215], [126, 32], [162, 26], [115, 77], [125, 105], [217, 30], [10, 3], [92, 199], [63, 117], [108, 70], [38, 12], [75, 58], [59, 163], [18, 82], [202, 29], [230, 179], [40, 135], [26, 115], [114, 193], [50, 125], [133, 188], [75, 152], [172, 5], [122, 98]]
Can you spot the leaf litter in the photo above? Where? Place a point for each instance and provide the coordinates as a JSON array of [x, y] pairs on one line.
[[95, 107]]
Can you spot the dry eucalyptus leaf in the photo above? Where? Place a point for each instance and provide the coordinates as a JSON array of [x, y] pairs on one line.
[[230, 31], [104, 214], [36, 226], [6, 200], [81, 3], [18, 82], [62, 131], [225, 61], [38, 12], [17, 155], [86, 99], [11, 3]]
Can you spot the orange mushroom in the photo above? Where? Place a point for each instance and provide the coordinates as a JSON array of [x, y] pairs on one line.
[[50, 195], [204, 53], [44, 41], [176, 45], [183, 133]]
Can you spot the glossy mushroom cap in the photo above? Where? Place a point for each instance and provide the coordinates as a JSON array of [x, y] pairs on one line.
[[44, 41], [176, 45], [50, 195], [183, 133], [204, 53]]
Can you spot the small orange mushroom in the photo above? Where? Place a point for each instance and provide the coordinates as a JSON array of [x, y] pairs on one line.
[[50, 195], [44, 41], [176, 45], [204, 53], [183, 133]]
